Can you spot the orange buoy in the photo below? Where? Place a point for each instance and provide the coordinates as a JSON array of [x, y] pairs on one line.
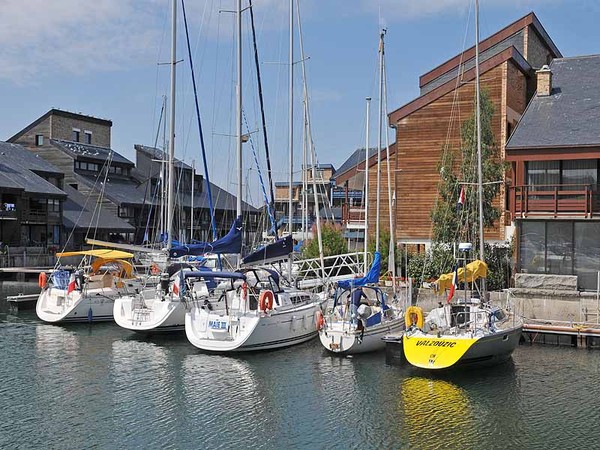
[[42, 280], [265, 301], [244, 290], [319, 320]]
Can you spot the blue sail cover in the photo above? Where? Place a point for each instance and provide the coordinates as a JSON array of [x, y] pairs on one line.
[[371, 277], [278, 249], [230, 243]]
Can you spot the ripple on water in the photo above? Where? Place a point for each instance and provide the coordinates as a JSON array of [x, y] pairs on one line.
[[99, 386]]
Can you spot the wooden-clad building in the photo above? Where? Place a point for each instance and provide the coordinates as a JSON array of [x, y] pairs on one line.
[[424, 126]]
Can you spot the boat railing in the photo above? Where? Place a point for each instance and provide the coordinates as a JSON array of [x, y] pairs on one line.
[[470, 321], [338, 267]]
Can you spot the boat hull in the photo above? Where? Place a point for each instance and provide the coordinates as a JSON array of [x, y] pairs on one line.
[[444, 352], [151, 316], [252, 330], [94, 305], [339, 338]]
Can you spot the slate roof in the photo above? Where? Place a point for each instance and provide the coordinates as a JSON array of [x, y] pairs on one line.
[[17, 171], [90, 152], [78, 216], [570, 116], [355, 158], [131, 192], [121, 191], [156, 153], [222, 200]]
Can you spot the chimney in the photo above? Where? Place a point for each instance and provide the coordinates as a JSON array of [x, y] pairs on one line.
[[544, 81]]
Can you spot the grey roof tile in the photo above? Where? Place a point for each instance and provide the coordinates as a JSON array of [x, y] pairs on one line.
[[17, 171], [78, 214], [354, 159], [87, 151], [570, 116]]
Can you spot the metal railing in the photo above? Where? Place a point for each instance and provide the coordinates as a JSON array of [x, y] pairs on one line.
[[338, 267]]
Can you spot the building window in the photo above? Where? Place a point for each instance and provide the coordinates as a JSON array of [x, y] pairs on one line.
[[88, 137], [53, 205], [580, 172], [55, 237], [543, 175], [39, 140], [75, 134]]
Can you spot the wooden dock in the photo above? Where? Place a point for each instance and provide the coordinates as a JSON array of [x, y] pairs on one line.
[[562, 333]]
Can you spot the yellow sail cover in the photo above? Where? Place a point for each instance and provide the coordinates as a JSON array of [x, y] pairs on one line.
[[105, 253], [476, 269], [431, 352]]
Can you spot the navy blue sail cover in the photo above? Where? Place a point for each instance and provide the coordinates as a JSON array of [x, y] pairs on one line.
[[231, 243], [372, 275], [278, 249]]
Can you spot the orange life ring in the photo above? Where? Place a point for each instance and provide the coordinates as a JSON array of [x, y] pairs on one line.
[[42, 280], [319, 320], [265, 301]]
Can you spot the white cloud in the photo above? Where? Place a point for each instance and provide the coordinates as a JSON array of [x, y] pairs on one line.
[[409, 9], [39, 37]]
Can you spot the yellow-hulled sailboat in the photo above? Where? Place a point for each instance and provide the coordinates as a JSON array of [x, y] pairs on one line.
[[467, 331]]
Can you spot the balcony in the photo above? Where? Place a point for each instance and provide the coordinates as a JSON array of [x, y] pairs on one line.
[[8, 215], [354, 217], [34, 215], [557, 200]]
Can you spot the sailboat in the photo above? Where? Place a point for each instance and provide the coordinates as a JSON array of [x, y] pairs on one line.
[[468, 331], [87, 293], [259, 310], [162, 308], [348, 327]]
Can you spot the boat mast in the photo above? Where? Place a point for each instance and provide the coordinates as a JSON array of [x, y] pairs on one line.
[[478, 115], [366, 193], [392, 243], [311, 147], [378, 206], [291, 116], [239, 114], [171, 179], [192, 202]]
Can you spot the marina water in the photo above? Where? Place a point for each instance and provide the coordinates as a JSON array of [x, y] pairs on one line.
[[99, 386]]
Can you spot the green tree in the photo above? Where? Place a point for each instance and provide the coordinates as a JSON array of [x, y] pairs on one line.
[[333, 242], [449, 224]]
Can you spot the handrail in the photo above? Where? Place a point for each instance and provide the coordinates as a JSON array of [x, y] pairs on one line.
[[554, 199]]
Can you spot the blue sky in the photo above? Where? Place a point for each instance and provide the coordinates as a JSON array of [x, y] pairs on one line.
[[100, 58]]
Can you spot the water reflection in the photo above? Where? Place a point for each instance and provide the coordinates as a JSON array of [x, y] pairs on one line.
[[432, 405]]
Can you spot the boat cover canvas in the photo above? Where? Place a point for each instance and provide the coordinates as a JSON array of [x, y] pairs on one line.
[[278, 249], [372, 275], [230, 243], [475, 270]]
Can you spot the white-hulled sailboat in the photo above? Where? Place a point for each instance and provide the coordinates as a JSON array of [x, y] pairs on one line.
[[258, 311], [87, 293], [468, 331], [348, 327]]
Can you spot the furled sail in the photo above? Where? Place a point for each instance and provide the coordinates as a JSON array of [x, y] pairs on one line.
[[230, 243]]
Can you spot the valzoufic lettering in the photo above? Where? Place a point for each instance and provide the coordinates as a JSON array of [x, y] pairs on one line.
[[435, 343]]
